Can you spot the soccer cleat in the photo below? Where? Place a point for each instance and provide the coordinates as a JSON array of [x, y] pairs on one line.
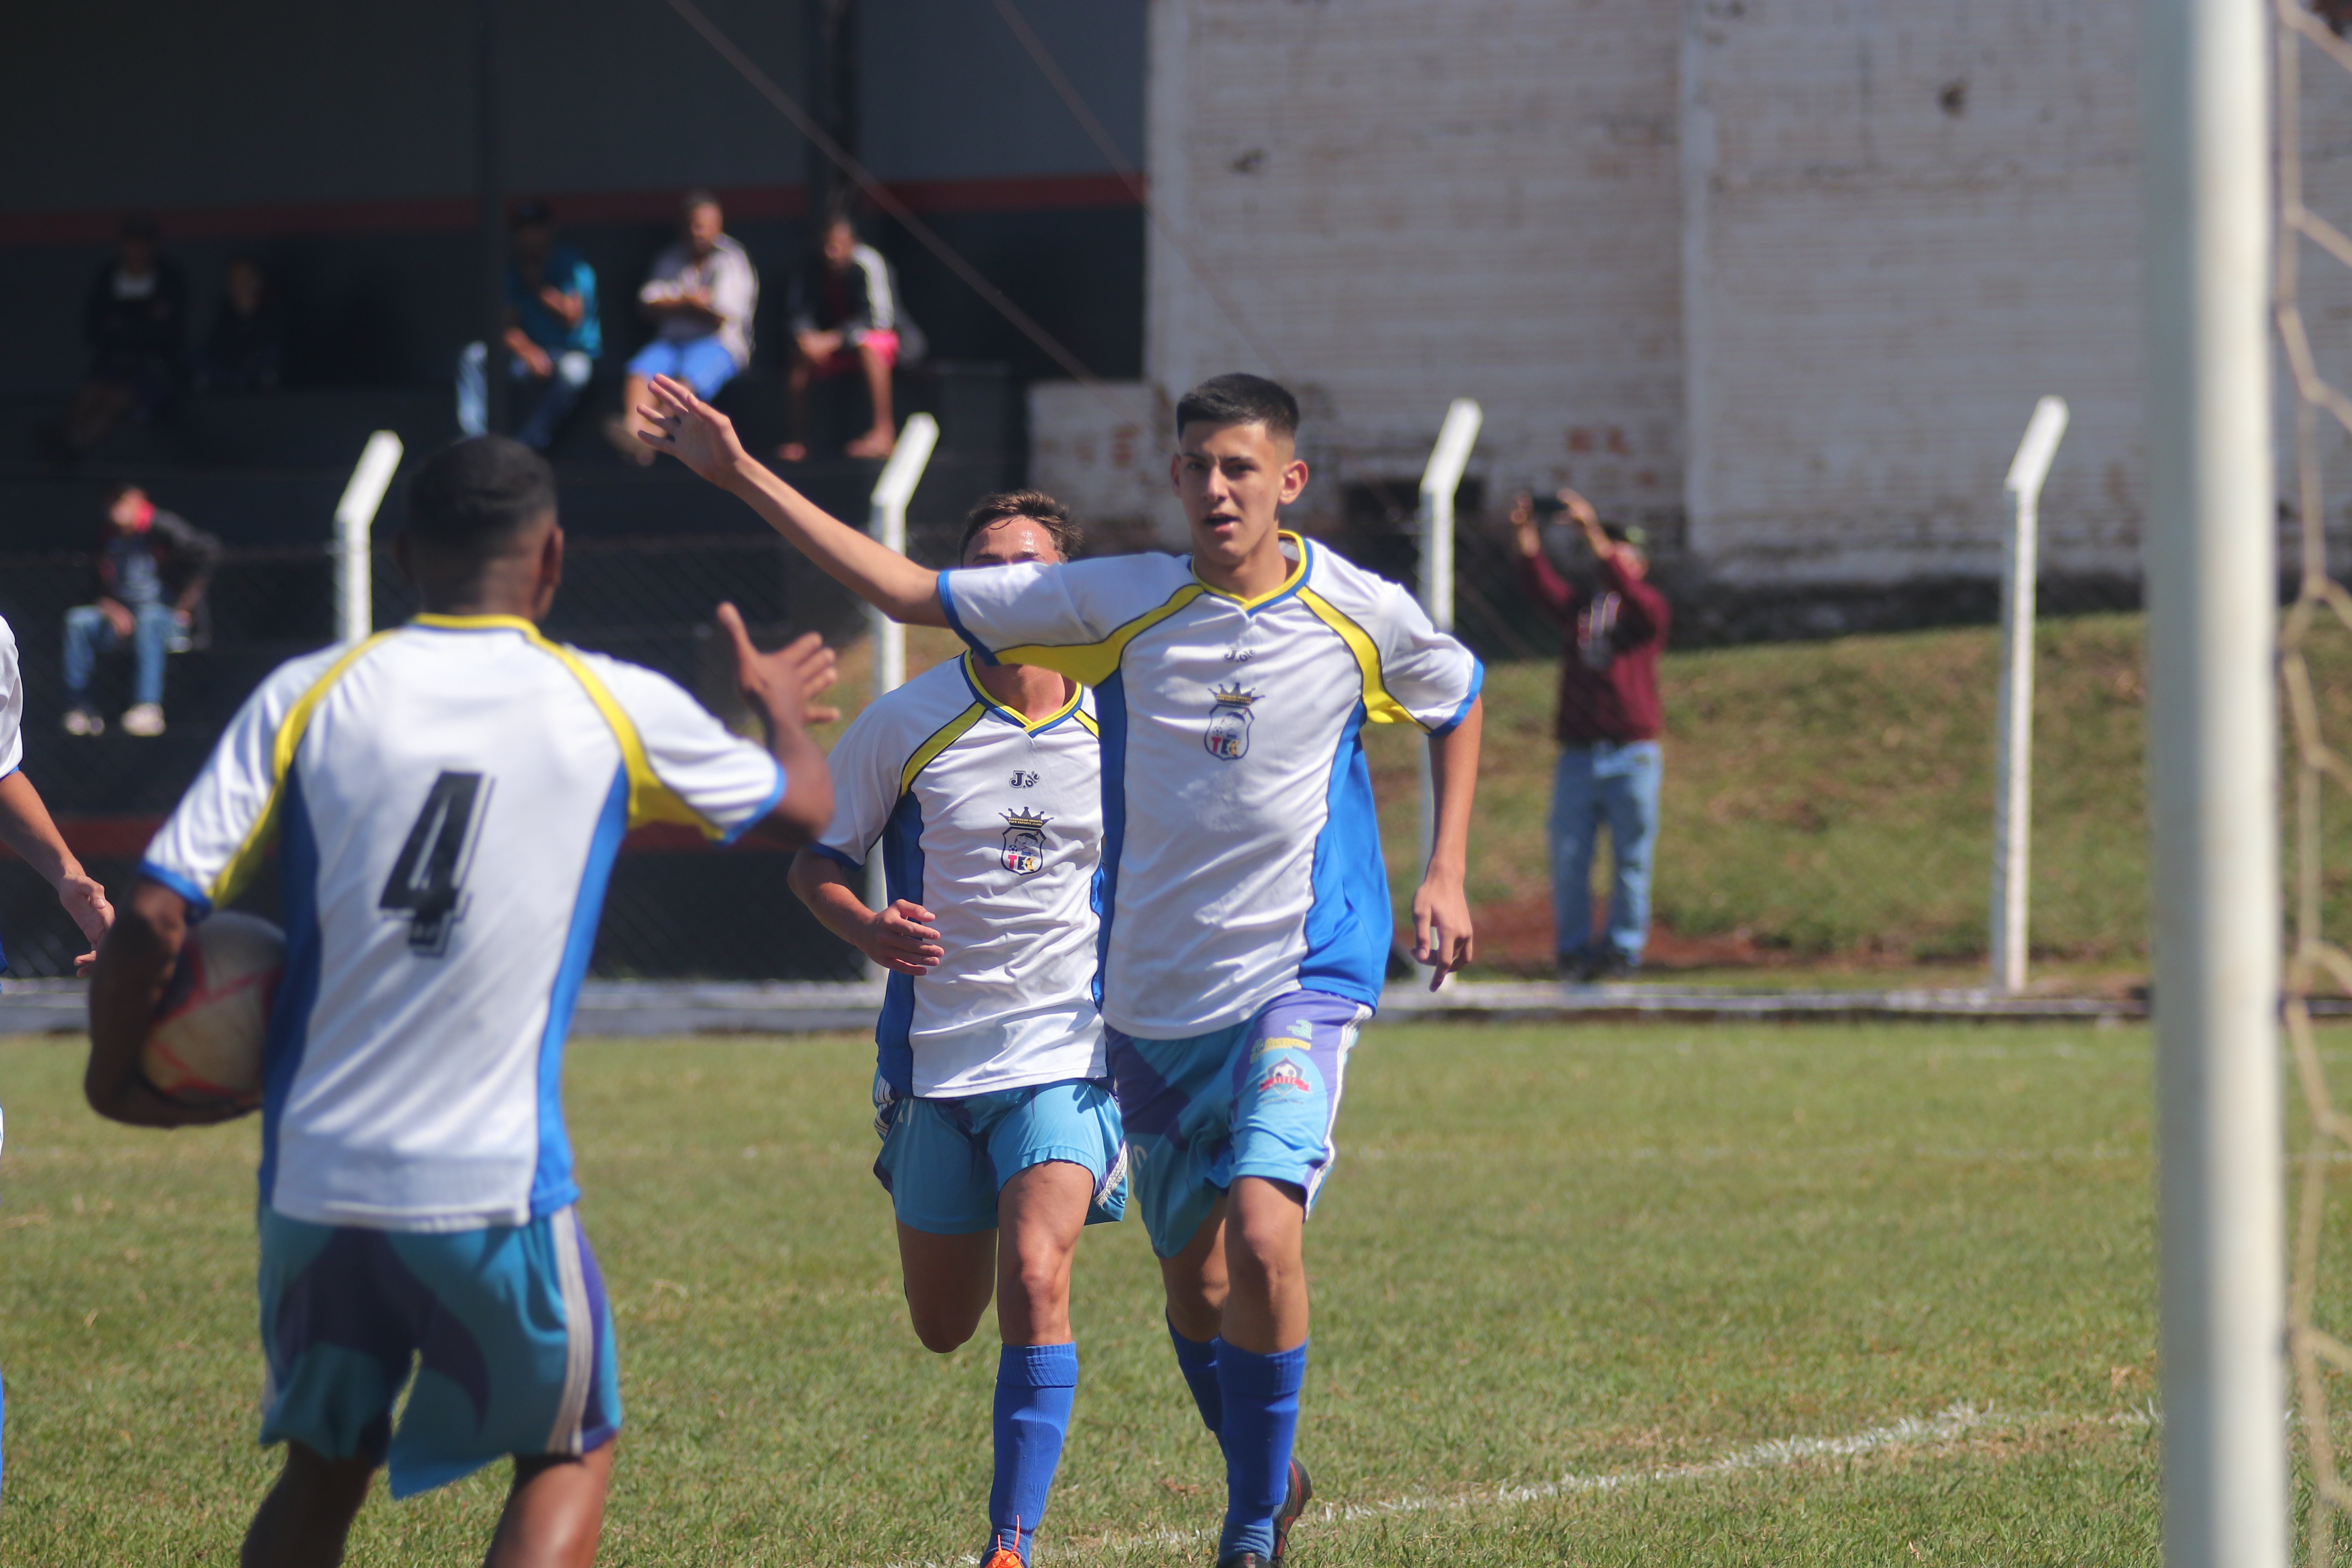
[[1243, 1560], [1294, 1503], [1003, 1557], [144, 719]]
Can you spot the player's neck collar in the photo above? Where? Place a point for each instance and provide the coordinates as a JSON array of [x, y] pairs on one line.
[[1036, 726], [439, 622], [1288, 586]]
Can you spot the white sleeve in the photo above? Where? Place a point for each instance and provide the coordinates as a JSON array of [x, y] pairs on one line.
[[1066, 618], [12, 704], [724, 782], [1426, 671], [867, 764], [735, 290], [215, 837]]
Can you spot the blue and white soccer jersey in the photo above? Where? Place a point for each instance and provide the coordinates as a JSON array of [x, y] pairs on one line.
[[1242, 873], [446, 800], [993, 822]]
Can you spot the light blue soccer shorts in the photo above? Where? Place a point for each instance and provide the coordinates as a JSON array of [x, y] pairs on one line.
[[508, 1325], [943, 1161], [1258, 1098]]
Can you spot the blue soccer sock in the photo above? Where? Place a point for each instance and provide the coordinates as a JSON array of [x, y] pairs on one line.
[[1197, 1360], [1035, 1386], [1261, 1395]]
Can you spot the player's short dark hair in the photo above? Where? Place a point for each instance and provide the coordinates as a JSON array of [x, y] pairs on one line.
[[1239, 398], [1037, 507], [696, 197], [472, 496]]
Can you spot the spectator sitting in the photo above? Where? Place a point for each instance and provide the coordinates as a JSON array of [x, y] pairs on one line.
[[1607, 723], [135, 320], [246, 350], [152, 572], [700, 296], [844, 316], [553, 333]]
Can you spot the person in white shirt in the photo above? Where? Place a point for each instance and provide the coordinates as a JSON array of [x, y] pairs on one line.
[[446, 800], [700, 296], [980, 788], [1242, 896]]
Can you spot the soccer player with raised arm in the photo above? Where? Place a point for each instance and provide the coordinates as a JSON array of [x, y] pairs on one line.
[[1243, 907], [446, 800], [980, 787]]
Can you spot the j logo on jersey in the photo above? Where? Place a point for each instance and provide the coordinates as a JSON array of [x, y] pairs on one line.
[[1228, 735], [1024, 842]]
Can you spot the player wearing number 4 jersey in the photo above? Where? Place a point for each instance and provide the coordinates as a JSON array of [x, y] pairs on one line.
[[981, 789], [446, 801], [1243, 907]]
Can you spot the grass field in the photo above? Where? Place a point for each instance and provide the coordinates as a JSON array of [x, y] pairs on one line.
[[1703, 1296]]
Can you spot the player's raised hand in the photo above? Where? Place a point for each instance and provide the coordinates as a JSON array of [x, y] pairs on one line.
[[85, 901], [779, 685], [902, 940], [1440, 928], [689, 429]]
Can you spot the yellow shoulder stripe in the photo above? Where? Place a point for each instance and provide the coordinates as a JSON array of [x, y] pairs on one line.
[[946, 735], [1092, 663], [1379, 706], [650, 800], [248, 856], [1088, 720]]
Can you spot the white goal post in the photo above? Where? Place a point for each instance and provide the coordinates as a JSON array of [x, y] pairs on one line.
[[2012, 816]]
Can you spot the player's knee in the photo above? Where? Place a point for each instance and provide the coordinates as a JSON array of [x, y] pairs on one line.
[[941, 1329]]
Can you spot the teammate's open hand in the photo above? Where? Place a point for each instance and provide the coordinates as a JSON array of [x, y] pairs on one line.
[[85, 901], [1441, 929], [689, 429], [779, 685], [901, 939]]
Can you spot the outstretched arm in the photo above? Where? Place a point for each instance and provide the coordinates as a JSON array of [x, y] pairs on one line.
[[704, 439], [25, 824], [778, 685], [899, 939], [1440, 907]]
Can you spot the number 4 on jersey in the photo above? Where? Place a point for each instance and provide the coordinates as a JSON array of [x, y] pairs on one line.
[[427, 882]]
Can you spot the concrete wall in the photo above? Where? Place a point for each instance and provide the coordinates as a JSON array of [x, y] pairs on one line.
[[1403, 203]]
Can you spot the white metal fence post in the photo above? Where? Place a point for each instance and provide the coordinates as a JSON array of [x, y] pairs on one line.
[[2012, 831], [1438, 479], [2212, 769], [354, 531], [886, 520]]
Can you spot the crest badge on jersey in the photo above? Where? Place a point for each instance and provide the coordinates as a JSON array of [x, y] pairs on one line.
[[1228, 735], [1024, 842]]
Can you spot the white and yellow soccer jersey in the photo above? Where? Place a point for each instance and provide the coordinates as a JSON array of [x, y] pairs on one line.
[[993, 822], [1240, 847], [446, 800], [12, 704]]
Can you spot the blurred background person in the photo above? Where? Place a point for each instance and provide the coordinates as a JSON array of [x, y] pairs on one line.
[[245, 348], [1607, 722], [150, 573], [553, 337], [845, 317], [135, 320], [700, 296]]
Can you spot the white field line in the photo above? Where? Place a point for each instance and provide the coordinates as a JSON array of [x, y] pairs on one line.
[[1945, 1428]]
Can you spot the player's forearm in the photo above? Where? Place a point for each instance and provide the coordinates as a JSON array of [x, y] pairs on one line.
[[1453, 777], [801, 813], [26, 827], [822, 885], [134, 964], [873, 571]]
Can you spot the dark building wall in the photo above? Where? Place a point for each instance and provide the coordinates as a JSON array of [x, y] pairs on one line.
[[338, 144]]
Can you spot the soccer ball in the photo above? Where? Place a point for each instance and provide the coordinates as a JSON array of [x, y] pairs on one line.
[[205, 1045]]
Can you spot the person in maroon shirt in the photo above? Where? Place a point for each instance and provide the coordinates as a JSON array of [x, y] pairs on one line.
[[1607, 724]]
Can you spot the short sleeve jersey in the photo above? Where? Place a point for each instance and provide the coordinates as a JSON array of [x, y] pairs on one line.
[[1241, 844], [12, 715], [992, 821], [446, 800]]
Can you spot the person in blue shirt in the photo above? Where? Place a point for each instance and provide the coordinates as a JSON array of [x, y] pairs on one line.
[[552, 336]]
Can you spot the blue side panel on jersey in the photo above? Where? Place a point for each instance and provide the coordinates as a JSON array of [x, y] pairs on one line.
[[289, 1016], [902, 875], [552, 1186], [981, 650], [198, 904], [757, 818], [1478, 684], [837, 857], [1110, 718], [1349, 925]]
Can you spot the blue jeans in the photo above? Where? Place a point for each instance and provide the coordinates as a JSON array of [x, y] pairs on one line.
[[1615, 781], [89, 634], [572, 370]]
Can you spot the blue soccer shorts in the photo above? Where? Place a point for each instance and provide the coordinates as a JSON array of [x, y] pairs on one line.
[[703, 363], [943, 1161], [1258, 1099], [508, 1327]]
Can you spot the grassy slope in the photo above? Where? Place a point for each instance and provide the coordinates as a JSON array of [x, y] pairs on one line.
[[1660, 1247]]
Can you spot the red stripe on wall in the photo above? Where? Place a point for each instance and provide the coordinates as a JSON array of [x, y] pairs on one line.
[[442, 215]]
